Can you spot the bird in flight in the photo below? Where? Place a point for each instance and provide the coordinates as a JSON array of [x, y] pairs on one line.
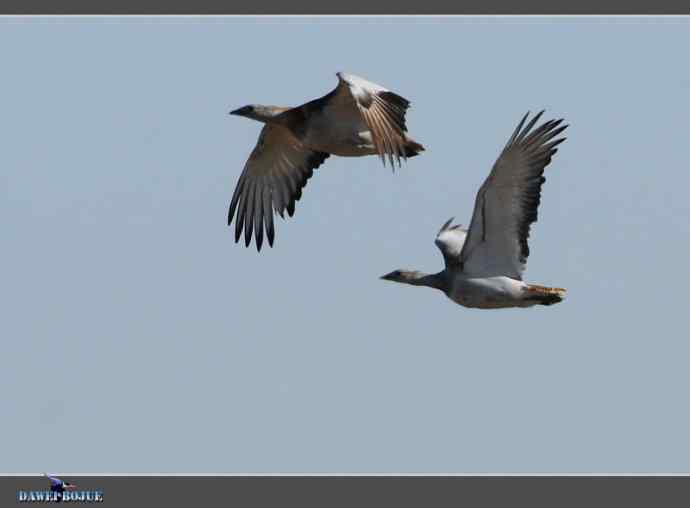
[[484, 265], [357, 118]]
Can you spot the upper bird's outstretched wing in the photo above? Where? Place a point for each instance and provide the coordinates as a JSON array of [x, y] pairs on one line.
[[507, 202], [383, 112], [273, 178], [450, 240]]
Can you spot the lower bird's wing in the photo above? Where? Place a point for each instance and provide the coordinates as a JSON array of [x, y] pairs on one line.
[[450, 240], [507, 202], [272, 180]]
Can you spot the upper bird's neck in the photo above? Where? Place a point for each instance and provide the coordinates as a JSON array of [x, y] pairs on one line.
[[268, 114]]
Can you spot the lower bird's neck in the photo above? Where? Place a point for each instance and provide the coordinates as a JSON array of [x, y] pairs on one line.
[[431, 280]]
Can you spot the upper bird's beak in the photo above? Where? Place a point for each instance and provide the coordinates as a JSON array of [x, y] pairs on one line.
[[236, 111], [388, 276]]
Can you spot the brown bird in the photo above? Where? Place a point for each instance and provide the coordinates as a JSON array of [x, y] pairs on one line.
[[357, 118]]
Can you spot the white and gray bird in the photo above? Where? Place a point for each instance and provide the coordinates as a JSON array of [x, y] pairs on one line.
[[484, 265], [357, 118]]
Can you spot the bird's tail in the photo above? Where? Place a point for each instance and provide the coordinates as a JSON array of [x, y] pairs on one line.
[[543, 295], [412, 148]]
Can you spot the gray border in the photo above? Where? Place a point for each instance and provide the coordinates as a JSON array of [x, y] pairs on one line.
[[353, 490], [387, 7], [378, 491]]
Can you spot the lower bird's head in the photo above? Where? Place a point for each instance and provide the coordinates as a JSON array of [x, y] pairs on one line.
[[404, 276], [433, 280]]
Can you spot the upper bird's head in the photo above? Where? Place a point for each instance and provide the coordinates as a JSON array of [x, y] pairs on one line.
[[258, 112]]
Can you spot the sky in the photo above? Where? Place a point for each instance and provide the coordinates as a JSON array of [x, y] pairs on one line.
[[138, 337]]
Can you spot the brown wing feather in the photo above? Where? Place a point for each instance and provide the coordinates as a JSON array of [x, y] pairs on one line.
[[385, 117], [272, 180], [383, 112]]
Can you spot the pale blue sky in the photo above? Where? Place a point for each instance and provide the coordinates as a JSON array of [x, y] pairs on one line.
[[138, 337]]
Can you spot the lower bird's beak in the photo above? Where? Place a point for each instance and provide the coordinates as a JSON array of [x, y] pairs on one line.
[[388, 276], [236, 111]]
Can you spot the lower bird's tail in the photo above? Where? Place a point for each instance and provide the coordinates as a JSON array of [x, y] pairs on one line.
[[543, 295], [412, 148]]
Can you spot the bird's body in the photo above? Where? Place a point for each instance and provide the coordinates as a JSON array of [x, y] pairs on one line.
[[337, 126], [356, 119], [500, 292], [486, 292], [484, 265], [343, 142], [338, 129]]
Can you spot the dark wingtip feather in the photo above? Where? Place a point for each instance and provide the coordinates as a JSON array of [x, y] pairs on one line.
[[236, 195], [268, 215], [513, 136], [538, 147], [247, 239], [257, 197], [395, 99], [413, 148], [238, 230], [559, 130], [523, 134], [270, 234], [445, 226], [249, 220], [259, 233], [239, 219]]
